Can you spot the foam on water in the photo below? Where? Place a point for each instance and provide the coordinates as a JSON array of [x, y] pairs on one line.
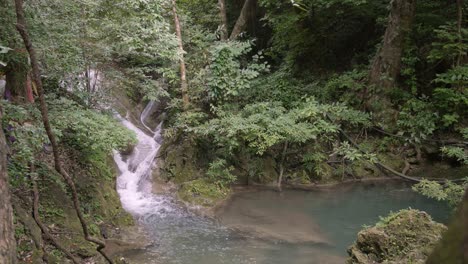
[[134, 181]]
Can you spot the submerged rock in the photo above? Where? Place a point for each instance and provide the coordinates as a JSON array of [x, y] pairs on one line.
[[404, 237]]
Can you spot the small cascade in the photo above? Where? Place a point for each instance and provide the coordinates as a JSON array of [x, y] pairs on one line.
[[134, 182], [147, 112], [177, 234]]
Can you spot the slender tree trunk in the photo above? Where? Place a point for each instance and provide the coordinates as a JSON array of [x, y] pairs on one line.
[[22, 29], [44, 229], [183, 71], [281, 165], [224, 21], [243, 18], [7, 231], [386, 65], [460, 5]]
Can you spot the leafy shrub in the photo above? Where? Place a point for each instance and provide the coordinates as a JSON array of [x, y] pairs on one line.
[[227, 76], [449, 192], [417, 120], [88, 130], [220, 173]]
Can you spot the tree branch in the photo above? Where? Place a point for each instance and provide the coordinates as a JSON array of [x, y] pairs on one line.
[[22, 29]]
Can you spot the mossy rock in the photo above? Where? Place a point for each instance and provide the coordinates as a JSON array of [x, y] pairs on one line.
[[363, 169], [404, 237], [393, 161], [202, 192], [179, 162]]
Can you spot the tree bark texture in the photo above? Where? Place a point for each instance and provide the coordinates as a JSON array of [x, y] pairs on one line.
[[183, 70], [386, 65], [223, 19], [243, 18], [22, 29], [7, 231]]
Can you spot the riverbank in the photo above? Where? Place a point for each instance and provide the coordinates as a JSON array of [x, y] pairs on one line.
[[259, 224], [102, 209]]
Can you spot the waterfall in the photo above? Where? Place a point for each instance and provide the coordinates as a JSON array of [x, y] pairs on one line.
[[146, 112], [134, 181]]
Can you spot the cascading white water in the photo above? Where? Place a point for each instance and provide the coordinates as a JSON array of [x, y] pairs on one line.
[[178, 235], [133, 183], [146, 112]]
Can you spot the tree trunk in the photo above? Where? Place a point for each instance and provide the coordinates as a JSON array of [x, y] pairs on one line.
[[386, 65], [44, 228], [224, 21], [281, 166], [7, 239], [241, 22], [22, 29], [183, 71]]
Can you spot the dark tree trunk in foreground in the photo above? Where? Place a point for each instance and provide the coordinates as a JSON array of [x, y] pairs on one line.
[[224, 21], [453, 248], [386, 65], [183, 70], [241, 22], [7, 239], [22, 29]]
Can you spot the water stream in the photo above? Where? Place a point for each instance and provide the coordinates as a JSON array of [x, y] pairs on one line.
[[255, 226]]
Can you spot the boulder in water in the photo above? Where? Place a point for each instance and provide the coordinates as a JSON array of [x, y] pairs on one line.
[[404, 237]]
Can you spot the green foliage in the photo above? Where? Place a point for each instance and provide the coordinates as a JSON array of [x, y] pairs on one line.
[[227, 76], [86, 129], [25, 137], [139, 34], [456, 77], [220, 173], [278, 86], [448, 45], [315, 162], [449, 192], [457, 153], [321, 35], [346, 87], [352, 154], [417, 120], [265, 125]]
